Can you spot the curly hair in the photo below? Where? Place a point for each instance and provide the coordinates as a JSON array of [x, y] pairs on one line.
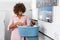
[[19, 7]]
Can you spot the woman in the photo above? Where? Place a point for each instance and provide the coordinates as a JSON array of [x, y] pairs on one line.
[[18, 19]]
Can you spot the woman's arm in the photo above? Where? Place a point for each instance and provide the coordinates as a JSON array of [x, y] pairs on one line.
[[15, 25], [12, 26]]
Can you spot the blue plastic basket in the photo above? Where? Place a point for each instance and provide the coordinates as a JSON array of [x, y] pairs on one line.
[[33, 38], [28, 31]]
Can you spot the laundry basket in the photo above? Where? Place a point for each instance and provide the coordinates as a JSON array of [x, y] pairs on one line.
[[28, 31]]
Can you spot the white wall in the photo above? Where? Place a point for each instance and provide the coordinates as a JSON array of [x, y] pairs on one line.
[[57, 20], [2, 26]]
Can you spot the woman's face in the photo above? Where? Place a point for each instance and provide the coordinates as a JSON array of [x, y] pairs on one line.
[[20, 13]]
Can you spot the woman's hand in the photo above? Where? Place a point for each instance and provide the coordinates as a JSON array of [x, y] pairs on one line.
[[15, 25], [19, 23]]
